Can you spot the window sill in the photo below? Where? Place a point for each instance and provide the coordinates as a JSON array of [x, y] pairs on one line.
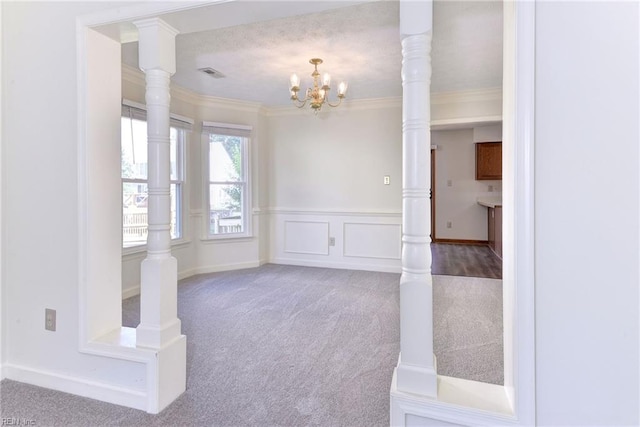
[[141, 249]]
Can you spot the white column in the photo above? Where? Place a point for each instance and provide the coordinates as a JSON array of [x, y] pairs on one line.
[[159, 327], [416, 371]]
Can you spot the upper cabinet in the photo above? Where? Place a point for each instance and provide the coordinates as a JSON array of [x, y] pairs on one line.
[[488, 160]]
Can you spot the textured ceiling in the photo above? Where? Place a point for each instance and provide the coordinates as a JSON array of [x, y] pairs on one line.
[[359, 44]]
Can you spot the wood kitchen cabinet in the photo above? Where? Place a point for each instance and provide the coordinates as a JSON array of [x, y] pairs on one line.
[[488, 160], [495, 230]]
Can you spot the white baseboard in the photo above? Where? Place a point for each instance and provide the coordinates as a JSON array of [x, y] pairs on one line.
[[135, 290], [130, 398], [340, 265], [130, 292], [225, 267]]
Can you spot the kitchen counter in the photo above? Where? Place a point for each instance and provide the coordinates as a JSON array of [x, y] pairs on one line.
[[490, 202]]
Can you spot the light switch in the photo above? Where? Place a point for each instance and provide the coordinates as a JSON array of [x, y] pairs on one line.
[[387, 180]]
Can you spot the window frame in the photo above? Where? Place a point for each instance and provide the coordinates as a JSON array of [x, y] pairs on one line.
[[245, 133], [182, 125]]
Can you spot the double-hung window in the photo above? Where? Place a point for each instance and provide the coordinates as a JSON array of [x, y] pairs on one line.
[[227, 187], [134, 174]]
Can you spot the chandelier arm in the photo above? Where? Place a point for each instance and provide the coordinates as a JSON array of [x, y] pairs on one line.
[[335, 105], [299, 102]]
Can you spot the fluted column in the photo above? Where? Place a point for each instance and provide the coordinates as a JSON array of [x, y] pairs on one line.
[[416, 371], [159, 327]]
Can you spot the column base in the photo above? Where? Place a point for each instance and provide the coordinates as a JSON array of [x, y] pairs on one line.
[[420, 380], [159, 323], [156, 337], [167, 375]]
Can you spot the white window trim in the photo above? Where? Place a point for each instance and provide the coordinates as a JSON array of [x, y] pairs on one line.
[[183, 201], [246, 165]]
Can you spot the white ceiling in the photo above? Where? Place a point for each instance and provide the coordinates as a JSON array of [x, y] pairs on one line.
[[359, 43]]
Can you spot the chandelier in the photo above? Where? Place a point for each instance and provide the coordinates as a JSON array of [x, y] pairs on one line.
[[318, 95]]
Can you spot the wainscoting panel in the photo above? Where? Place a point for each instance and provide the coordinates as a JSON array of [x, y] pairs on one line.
[[336, 239], [368, 240], [306, 237]]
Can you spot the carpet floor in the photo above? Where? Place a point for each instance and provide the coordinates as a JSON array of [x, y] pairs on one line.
[[292, 346]]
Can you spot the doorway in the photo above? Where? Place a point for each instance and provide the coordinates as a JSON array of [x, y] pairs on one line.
[[432, 195]]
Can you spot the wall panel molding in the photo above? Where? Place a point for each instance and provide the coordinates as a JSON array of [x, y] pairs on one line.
[[306, 237], [379, 252], [372, 240]]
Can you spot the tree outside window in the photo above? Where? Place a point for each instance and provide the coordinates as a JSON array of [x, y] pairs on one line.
[[227, 153]]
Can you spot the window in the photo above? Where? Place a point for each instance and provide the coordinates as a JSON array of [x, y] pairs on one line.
[[227, 189], [134, 175]]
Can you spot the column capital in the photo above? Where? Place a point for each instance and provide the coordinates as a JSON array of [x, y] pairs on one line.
[[156, 45], [416, 17]]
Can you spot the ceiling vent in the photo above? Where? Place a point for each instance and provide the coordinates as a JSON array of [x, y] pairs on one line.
[[213, 73]]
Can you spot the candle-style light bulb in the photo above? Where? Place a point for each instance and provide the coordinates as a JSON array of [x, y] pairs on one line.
[[326, 80], [294, 81], [342, 89]]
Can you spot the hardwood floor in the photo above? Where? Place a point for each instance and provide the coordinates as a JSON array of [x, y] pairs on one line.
[[465, 260]]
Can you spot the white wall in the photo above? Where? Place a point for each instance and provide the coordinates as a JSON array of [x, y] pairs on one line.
[[2, 298], [327, 180], [587, 214], [40, 201], [456, 186], [337, 161]]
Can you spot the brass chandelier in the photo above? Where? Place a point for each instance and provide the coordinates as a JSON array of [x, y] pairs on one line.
[[318, 95]]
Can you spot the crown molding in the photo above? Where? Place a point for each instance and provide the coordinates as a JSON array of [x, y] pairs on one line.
[[132, 75], [232, 104], [466, 96], [464, 122], [135, 76]]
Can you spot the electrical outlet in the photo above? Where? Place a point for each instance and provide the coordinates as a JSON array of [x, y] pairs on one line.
[[332, 241], [387, 180], [491, 189], [448, 224], [49, 319], [449, 183]]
